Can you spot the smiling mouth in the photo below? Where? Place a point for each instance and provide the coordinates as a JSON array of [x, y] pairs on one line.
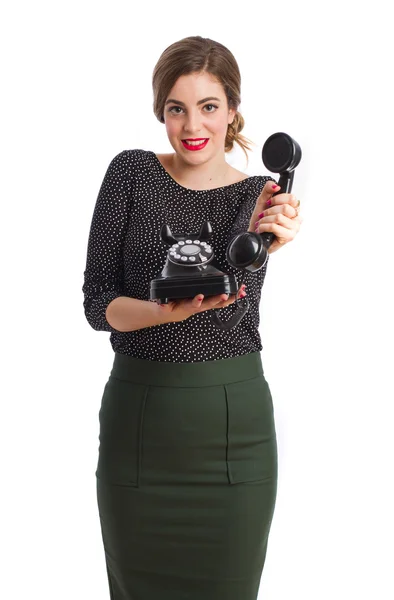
[[195, 142], [195, 145]]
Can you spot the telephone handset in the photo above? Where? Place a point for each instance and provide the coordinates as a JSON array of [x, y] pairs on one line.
[[191, 268]]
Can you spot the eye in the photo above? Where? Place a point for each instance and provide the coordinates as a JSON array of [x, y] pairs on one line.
[[173, 109], [213, 106]]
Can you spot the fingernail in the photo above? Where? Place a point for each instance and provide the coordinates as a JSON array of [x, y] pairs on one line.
[[274, 186], [269, 202], [261, 215], [200, 298]]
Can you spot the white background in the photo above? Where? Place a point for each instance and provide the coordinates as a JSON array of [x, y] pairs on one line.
[[76, 91]]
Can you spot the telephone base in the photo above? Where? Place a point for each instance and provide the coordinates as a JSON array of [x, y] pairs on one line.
[[165, 289]]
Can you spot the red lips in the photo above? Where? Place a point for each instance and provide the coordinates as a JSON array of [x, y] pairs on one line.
[[194, 148]]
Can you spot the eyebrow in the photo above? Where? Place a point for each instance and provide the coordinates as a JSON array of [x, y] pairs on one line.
[[199, 102]]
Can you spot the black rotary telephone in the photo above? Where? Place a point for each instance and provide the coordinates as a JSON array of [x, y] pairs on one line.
[[191, 269]]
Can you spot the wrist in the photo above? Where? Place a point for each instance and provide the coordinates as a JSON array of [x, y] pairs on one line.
[[161, 314]]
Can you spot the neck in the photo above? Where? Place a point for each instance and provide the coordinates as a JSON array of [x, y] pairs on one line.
[[213, 172]]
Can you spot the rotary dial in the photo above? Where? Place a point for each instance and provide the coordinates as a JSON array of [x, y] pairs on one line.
[[190, 253]]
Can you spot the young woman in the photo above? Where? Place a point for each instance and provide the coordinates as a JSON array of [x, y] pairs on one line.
[[187, 465]]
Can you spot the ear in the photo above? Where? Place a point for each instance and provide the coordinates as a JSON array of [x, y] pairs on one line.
[[231, 115]]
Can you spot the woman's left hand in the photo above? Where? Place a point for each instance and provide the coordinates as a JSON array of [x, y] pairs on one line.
[[282, 218]]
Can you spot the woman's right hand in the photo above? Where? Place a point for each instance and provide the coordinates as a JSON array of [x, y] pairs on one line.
[[179, 310]]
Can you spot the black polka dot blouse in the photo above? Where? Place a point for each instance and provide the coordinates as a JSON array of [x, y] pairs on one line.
[[125, 252]]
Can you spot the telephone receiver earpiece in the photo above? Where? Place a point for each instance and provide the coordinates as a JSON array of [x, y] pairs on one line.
[[248, 251]]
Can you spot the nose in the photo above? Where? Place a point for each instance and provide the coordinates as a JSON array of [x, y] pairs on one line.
[[193, 122]]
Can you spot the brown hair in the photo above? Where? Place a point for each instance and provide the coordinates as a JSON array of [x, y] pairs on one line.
[[196, 54]]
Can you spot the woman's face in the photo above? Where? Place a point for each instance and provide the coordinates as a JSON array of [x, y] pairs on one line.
[[196, 108]]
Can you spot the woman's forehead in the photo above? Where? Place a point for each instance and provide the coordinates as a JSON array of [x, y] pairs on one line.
[[196, 85]]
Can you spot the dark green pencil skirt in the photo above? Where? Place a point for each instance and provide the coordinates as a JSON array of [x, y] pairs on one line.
[[186, 478]]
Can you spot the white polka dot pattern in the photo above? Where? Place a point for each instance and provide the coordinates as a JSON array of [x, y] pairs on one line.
[[125, 253]]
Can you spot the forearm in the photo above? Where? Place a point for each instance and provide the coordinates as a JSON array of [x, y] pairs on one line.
[[129, 314]]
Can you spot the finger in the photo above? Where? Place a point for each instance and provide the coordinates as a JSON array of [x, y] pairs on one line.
[[280, 231], [221, 298], [233, 297], [282, 199], [277, 219], [197, 301], [286, 209], [227, 299], [213, 301], [269, 188]]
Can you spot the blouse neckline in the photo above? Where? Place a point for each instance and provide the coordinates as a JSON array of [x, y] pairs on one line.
[[190, 189]]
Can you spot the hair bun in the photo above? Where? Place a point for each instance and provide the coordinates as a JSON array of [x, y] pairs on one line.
[[233, 131]]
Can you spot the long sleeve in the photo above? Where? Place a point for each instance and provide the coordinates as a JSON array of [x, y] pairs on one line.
[[104, 272], [125, 254], [241, 223]]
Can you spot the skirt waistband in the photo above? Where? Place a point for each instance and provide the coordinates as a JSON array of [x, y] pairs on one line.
[[197, 374]]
